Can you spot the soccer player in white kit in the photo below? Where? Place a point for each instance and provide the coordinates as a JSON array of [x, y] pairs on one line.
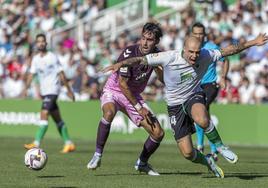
[[182, 72], [50, 74]]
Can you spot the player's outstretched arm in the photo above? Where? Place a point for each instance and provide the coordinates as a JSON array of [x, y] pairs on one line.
[[65, 83], [224, 73], [126, 62], [260, 40], [29, 79]]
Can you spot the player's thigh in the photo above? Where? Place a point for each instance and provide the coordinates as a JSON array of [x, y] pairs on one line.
[[109, 104], [44, 114], [181, 123], [198, 112], [129, 110], [56, 116], [49, 103], [196, 108]]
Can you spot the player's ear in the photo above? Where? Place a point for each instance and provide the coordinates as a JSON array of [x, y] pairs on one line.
[[157, 41]]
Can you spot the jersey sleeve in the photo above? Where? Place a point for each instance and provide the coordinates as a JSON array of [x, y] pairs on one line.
[[125, 71], [58, 65], [33, 66], [161, 58], [211, 55], [222, 58]]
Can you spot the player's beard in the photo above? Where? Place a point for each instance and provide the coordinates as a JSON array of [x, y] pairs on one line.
[[42, 49]]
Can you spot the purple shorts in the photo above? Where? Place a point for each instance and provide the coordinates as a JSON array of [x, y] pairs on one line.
[[123, 104]]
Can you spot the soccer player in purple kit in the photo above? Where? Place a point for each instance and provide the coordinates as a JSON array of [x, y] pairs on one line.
[[122, 92]]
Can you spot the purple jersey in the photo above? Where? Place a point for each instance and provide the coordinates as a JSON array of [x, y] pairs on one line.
[[138, 75]]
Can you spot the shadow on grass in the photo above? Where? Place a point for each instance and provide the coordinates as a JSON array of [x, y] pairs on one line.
[[83, 151], [182, 173], [256, 162], [119, 174], [50, 177], [243, 176], [161, 173], [246, 176], [64, 187]]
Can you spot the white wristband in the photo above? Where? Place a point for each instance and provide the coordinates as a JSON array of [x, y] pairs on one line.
[[137, 106]]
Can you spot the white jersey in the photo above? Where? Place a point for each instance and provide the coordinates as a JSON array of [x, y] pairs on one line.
[[181, 79], [47, 68]]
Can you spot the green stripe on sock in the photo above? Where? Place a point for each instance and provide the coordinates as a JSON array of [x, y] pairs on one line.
[[64, 133], [41, 133], [214, 137], [200, 158]]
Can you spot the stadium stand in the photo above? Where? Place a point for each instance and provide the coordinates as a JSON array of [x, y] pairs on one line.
[[83, 56]]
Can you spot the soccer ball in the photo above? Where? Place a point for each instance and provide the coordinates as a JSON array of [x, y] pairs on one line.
[[35, 159]]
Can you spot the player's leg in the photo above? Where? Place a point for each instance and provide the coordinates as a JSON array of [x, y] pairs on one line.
[[156, 134], [109, 110], [199, 114], [190, 153], [155, 131], [211, 92], [182, 126], [62, 128], [43, 126], [200, 138]]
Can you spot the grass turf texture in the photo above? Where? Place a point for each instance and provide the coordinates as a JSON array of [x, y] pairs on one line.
[[117, 170]]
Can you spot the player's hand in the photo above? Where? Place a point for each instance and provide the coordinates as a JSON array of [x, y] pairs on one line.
[[223, 83], [113, 68], [146, 114], [71, 95], [261, 39]]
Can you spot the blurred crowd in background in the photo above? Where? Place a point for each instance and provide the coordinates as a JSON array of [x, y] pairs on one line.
[[20, 21]]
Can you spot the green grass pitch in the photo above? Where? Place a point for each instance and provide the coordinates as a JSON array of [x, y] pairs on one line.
[[117, 170]]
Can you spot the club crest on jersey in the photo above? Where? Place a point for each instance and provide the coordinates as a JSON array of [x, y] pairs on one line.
[[123, 69], [126, 53], [187, 76]]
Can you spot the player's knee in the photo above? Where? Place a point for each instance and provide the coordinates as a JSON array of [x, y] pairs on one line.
[[109, 115], [202, 121], [157, 133]]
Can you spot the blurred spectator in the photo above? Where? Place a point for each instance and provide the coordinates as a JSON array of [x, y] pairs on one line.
[[228, 95], [246, 91], [13, 84], [83, 52]]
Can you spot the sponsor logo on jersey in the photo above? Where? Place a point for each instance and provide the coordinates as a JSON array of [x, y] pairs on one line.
[[123, 69], [143, 75]]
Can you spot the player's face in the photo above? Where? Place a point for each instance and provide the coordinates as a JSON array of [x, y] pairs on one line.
[[41, 43], [147, 43], [199, 33], [192, 52]]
